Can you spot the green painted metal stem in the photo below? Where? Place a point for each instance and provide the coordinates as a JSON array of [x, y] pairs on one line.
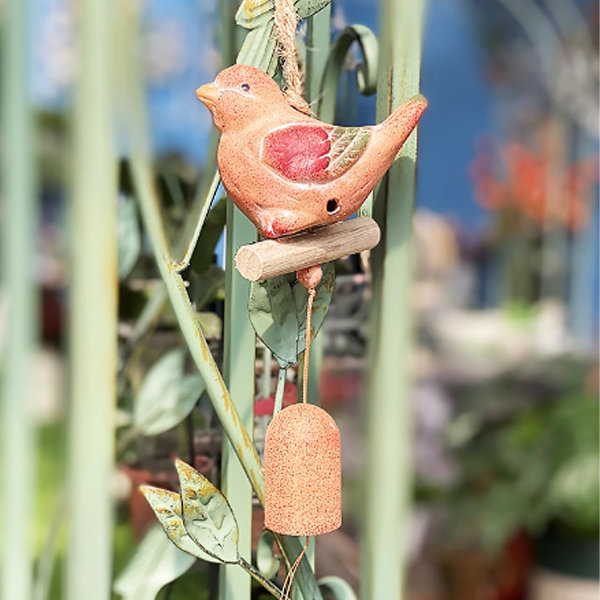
[[190, 327], [188, 322], [203, 200], [199, 221], [238, 369], [389, 464], [279, 390], [93, 313], [18, 247], [255, 574], [366, 73], [265, 381], [318, 42], [239, 347]]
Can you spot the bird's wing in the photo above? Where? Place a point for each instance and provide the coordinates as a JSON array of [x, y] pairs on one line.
[[306, 152]]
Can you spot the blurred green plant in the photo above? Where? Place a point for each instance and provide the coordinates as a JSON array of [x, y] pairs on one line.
[[531, 464]]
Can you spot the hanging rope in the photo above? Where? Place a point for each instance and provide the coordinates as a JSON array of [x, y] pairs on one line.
[[286, 22], [309, 305], [289, 579]]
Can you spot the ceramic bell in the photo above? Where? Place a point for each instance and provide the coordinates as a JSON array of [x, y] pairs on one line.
[[303, 472]]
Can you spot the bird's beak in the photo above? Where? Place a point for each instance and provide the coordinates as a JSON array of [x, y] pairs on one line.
[[207, 94]]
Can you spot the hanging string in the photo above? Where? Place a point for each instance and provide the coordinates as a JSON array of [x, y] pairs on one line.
[[289, 578], [286, 22], [309, 305]]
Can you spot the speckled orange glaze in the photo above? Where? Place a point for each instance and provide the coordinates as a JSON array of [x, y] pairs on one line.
[[303, 493], [287, 171]]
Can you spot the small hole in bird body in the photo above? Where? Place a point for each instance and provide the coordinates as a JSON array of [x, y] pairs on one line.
[[245, 87], [333, 206]]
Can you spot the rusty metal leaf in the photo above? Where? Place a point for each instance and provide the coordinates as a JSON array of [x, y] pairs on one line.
[[167, 508], [207, 516]]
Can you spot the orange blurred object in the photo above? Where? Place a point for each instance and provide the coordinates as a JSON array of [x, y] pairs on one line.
[[513, 176]]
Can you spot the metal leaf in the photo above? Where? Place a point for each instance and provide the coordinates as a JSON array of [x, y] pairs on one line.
[[277, 309], [258, 49], [272, 310], [340, 589], [207, 516], [155, 563], [167, 508], [366, 71], [166, 396], [256, 13], [266, 560]]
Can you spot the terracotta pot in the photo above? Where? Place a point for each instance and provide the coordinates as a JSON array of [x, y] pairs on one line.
[[472, 574]]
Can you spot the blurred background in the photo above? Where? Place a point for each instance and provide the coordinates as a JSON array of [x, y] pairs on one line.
[[504, 361]]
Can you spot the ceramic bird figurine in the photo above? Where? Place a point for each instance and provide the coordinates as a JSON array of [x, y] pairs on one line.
[[287, 171]]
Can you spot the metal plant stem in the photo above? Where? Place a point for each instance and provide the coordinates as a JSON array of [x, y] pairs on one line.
[[389, 466], [93, 313], [318, 42], [279, 390], [239, 349], [238, 371], [18, 245]]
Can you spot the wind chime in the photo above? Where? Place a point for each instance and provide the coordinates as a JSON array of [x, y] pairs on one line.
[[297, 179]]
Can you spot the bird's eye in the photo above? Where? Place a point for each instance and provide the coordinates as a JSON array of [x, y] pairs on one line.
[[245, 87]]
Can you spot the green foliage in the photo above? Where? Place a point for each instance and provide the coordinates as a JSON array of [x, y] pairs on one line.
[[129, 237], [156, 563], [531, 467], [207, 286], [166, 396]]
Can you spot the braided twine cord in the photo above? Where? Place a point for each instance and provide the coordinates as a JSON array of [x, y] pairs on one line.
[[286, 22]]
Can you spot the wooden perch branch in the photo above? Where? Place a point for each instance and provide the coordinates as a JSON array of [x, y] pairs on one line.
[[270, 258]]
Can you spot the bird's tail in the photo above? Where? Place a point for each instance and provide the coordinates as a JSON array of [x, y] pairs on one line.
[[403, 120]]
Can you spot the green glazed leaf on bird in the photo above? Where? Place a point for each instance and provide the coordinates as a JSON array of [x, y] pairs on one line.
[[207, 516], [167, 508]]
